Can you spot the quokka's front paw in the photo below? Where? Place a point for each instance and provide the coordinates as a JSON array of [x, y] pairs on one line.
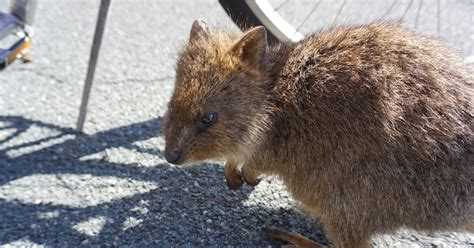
[[232, 177], [250, 176], [235, 178]]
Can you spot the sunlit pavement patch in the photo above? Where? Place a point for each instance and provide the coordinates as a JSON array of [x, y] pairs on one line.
[[75, 190], [92, 226], [469, 60], [131, 222], [145, 153], [22, 243], [31, 139], [48, 215]]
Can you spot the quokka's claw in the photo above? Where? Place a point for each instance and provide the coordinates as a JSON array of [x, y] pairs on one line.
[[235, 183], [250, 177], [253, 182], [232, 177], [235, 178]]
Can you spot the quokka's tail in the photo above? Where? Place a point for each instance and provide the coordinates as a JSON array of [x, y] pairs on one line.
[[292, 238]]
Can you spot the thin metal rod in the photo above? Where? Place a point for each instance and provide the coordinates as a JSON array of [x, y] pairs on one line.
[[99, 31], [281, 5], [24, 10], [310, 13], [338, 12], [438, 14], [389, 9], [406, 10], [418, 13]]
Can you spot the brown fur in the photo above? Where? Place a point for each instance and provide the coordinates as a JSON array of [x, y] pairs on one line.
[[370, 127]]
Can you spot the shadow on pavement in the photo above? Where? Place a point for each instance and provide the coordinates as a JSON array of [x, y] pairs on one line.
[[187, 206]]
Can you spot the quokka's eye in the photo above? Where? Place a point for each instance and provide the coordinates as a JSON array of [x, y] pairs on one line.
[[209, 118]]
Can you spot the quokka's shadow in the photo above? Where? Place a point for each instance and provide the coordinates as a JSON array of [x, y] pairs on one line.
[[188, 207]]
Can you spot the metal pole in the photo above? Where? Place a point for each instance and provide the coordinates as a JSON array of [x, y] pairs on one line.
[[24, 10], [99, 31]]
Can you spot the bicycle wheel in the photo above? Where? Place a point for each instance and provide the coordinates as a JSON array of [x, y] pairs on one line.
[[292, 20], [251, 13]]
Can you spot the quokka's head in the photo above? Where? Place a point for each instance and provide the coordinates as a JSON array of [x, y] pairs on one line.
[[220, 102]]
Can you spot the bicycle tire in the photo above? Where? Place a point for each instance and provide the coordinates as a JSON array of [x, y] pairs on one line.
[[243, 17]]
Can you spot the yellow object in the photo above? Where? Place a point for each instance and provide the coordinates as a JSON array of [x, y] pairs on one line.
[[19, 51], [26, 58]]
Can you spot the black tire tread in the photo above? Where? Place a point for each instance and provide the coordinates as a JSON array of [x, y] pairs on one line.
[[243, 16]]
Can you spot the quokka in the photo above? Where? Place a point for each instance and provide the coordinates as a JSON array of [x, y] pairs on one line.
[[370, 127]]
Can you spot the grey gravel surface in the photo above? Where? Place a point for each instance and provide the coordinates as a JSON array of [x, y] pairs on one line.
[[112, 186]]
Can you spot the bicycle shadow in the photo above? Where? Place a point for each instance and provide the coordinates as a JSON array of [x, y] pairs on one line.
[[184, 203]]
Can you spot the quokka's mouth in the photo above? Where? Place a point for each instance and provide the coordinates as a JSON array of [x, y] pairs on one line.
[[181, 158], [176, 157]]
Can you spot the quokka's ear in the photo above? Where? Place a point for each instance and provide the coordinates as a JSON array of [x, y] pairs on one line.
[[252, 46], [199, 30]]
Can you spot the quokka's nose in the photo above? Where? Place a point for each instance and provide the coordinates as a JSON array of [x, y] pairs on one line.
[[172, 157]]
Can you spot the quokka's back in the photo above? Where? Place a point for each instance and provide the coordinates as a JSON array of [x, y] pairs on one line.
[[380, 86]]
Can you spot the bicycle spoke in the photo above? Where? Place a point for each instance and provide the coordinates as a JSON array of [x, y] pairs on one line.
[[281, 5], [418, 13], [438, 14], [406, 10], [310, 13], [389, 9], [338, 12]]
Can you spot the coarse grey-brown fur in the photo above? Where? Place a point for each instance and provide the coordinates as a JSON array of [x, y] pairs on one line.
[[370, 127]]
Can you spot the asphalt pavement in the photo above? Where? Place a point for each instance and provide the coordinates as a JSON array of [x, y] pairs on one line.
[[112, 186]]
